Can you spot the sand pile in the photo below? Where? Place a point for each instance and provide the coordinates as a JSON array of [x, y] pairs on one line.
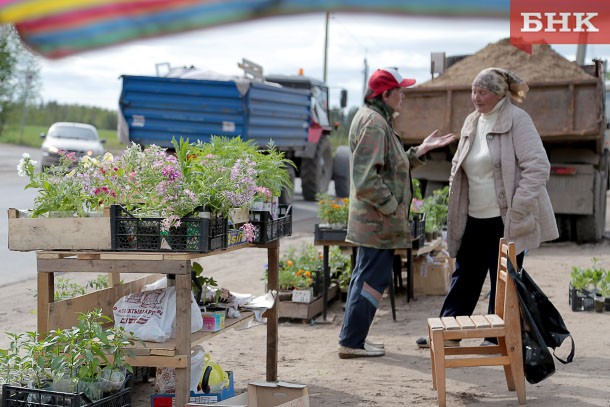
[[544, 64]]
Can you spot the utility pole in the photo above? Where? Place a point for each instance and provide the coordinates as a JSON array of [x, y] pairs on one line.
[[24, 112], [326, 46], [366, 75]]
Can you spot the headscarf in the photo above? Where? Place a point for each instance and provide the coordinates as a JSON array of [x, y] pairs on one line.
[[501, 82]]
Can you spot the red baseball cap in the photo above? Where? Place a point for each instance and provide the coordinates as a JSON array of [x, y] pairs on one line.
[[386, 79]]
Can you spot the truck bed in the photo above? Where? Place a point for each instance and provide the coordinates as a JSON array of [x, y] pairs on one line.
[[153, 110], [561, 110]]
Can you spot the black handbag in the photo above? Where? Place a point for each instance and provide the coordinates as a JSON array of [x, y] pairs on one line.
[[542, 327]]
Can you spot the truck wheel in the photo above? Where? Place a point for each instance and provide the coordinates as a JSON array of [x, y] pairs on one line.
[[590, 228], [288, 194], [317, 172], [341, 171]]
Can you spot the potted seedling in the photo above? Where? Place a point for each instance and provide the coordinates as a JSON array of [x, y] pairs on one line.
[[579, 296], [118, 343], [604, 294]]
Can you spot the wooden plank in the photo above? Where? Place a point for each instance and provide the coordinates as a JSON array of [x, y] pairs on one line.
[[132, 256], [87, 256], [183, 335], [64, 314], [177, 362], [28, 234], [478, 361], [465, 322], [480, 321], [45, 293], [495, 320], [113, 266], [435, 323], [450, 323]]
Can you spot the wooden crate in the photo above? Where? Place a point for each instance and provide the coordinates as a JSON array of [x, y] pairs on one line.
[[289, 309], [28, 234]]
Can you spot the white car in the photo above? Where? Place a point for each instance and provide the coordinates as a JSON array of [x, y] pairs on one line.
[[79, 138]]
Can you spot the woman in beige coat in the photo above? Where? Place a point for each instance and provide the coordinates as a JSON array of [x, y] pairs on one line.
[[497, 189]]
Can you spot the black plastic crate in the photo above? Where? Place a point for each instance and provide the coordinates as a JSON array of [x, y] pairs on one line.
[[417, 225], [267, 229], [337, 235], [195, 234], [581, 300], [13, 396]]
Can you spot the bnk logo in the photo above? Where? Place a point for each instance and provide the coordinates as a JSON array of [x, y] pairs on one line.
[[559, 22]]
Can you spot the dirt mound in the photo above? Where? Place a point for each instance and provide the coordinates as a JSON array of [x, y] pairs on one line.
[[544, 64]]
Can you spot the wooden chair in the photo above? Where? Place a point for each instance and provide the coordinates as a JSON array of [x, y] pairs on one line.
[[504, 325]]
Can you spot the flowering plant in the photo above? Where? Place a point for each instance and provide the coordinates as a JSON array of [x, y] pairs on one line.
[[301, 268], [333, 210], [229, 172], [59, 186], [220, 175]]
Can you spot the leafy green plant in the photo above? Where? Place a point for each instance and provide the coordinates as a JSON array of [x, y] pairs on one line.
[[66, 288], [578, 280], [99, 283], [595, 274], [77, 354], [604, 288], [204, 285], [435, 206]]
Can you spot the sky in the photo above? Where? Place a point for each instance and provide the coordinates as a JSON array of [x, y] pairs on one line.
[[283, 45]]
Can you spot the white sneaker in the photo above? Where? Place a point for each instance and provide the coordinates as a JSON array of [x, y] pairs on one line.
[[349, 353], [378, 345]]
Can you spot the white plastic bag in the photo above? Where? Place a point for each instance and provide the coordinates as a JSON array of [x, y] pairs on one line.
[[151, 315], [165, 381]]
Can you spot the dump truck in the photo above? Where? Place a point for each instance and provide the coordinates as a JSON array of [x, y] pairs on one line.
[[567, 103], [291, 111]]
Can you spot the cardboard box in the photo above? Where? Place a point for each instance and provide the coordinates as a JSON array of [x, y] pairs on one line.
[[169, 400], [240, 400], [431, 276], [275, 394], [304, 296], [213, 321]]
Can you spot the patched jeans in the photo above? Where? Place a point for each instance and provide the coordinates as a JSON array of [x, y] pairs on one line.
[[371, 276]]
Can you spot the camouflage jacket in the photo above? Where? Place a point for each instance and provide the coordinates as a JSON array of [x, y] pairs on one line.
[[380, 191]]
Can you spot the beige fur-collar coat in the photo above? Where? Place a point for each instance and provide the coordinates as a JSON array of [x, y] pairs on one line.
[[520, 169]]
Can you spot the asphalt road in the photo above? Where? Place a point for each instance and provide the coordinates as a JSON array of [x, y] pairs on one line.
[[19, 266]]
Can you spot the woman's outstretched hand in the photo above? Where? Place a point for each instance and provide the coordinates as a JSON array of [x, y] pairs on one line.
[[433, 141]]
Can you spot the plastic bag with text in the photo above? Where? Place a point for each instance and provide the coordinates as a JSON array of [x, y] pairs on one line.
[[151, 315]]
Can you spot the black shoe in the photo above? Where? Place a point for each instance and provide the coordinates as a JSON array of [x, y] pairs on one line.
[[424, 342]]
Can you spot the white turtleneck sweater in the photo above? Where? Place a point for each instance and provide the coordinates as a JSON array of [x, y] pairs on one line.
[[479, 169]]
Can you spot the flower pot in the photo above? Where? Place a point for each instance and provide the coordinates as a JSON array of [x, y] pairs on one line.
[[599, 304], [112, 379], [64, 384], [92, 388]]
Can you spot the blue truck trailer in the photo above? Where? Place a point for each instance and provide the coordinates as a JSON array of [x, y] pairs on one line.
[[291, 111]]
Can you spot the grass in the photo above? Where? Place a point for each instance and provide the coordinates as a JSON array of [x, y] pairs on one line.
[[31, 137]]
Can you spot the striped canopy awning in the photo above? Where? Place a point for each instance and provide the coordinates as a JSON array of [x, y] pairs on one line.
[[57, 28]]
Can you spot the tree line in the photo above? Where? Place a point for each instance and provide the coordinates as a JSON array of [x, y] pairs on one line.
[[47, 113]]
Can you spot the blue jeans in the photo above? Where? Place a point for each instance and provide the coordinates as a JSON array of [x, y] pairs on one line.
[[371, 276]]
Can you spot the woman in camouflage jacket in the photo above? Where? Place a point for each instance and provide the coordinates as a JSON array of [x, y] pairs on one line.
[[380, 197]]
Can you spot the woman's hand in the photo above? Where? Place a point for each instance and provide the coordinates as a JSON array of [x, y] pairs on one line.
[[433, 141]]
